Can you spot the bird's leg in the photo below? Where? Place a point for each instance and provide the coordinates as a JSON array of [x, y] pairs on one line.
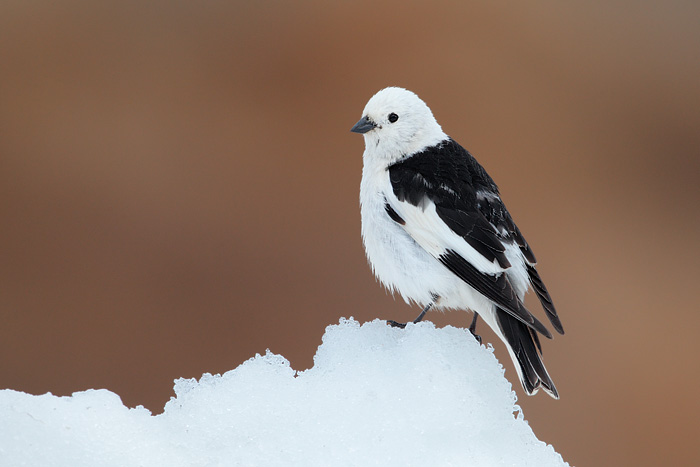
[[422, 313], [472, 328], [393, 323]]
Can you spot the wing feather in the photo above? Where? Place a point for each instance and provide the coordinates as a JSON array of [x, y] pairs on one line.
[[451, 207]]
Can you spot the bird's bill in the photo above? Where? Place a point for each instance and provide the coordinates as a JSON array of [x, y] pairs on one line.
[[363, 126]]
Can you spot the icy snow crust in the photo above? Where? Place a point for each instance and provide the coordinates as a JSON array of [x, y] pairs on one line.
[[376, 395]]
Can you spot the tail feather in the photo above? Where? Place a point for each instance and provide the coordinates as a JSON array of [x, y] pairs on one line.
[[525, 350]]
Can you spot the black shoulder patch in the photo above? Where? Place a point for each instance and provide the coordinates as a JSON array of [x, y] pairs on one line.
[[393, 214]]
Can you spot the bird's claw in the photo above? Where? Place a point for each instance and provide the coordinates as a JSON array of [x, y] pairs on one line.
[[476, 336], [395, 324]]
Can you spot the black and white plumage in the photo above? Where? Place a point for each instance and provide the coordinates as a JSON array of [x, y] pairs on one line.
[[437, 232]]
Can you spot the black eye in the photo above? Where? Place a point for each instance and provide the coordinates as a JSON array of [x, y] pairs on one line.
[[393, 117]]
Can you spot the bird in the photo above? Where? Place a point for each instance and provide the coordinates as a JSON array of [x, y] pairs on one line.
[[436, 231]]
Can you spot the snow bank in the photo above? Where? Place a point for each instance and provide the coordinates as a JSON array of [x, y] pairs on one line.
[[375, 396]]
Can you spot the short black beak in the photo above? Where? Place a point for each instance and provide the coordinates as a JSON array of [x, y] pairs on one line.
[[363, 126]]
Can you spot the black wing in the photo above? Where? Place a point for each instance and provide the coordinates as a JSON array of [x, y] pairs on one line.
[[451, 178], [442, 174], [493, 209], [545, 299], [496, 288], [491, 206]]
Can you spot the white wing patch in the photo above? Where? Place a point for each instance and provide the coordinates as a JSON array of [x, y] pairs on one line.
[[425, 226]]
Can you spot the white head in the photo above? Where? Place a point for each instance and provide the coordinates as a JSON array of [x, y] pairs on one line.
[[397, 123]]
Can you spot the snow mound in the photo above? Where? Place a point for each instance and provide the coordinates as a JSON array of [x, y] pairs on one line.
[[376, 395]]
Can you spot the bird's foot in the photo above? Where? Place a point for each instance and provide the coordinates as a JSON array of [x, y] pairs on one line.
[[395, 324], [476, 336]]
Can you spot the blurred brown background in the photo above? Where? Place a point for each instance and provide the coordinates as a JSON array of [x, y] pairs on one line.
[[179, 190]]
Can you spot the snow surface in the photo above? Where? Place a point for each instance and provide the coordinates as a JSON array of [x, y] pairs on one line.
[[376, 395]]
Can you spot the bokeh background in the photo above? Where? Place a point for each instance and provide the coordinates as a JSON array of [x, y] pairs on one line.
[[179, 191]]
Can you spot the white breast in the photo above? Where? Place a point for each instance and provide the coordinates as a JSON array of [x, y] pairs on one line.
[[396, 259]]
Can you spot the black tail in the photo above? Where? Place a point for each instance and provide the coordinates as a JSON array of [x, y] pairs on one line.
[[526, 350]]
